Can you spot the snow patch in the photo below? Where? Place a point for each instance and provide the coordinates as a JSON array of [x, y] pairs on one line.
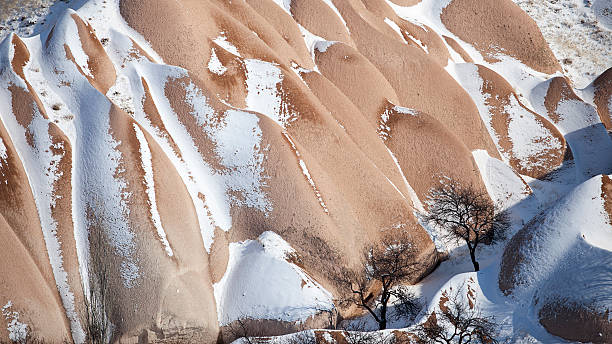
[[585, 134], [322, 46], [310, 40], [222, 41], [529, 137], [3, 151], [214, 64], [262, 282], [18, 331], [240, 150], [41, 157], [120, 94], [264, 87]]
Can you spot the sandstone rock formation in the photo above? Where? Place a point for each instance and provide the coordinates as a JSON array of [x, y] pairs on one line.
[[217, 160]]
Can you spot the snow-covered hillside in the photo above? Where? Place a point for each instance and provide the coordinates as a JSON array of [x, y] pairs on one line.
[[202, 165], [579, 32]]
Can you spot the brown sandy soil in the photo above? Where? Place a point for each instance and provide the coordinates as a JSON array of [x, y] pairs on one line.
[[344, 126], [500, 27], [27, 288], [27, 277], [603, 96], [318, 18], [423, 147], [356, 125], [164, 294], [606, 194], [436, 48], [500, 95], [405, 2], [61, 212], [21, 57], [192, 25], [152, 114], [266, 328], [419, 82], [279, 40], [229, 86], [21, 221], [351, 72], [18, 195], [284, 26], [336, 164]]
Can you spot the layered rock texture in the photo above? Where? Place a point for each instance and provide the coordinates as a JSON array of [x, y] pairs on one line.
[[200, 162]]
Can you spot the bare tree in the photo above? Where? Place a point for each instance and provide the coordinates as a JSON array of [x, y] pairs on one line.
[[406, 306], [356, 332], [388, 264], [240, 328], [467, 214], [456, 322]]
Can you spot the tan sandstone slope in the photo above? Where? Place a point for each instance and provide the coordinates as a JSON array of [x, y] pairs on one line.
[[148, 148]]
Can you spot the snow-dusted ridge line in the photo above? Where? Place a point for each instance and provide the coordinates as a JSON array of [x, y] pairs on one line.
[[526, 143], [395, 28]]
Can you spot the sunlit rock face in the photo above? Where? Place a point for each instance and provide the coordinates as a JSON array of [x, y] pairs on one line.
[[181, 165]]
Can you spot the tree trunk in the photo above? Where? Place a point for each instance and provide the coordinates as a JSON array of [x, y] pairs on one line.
[[474, 262], [382, 324]]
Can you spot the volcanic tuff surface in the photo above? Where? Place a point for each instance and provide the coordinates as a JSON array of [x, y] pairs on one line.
[[219, 160]]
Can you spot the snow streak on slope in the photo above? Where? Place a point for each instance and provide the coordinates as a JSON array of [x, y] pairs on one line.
[[306, 173], [41, 162], [530, 139], [225, 44], [503, 184], [145, 156], [237, 139], [219, 154], [262, 281]]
